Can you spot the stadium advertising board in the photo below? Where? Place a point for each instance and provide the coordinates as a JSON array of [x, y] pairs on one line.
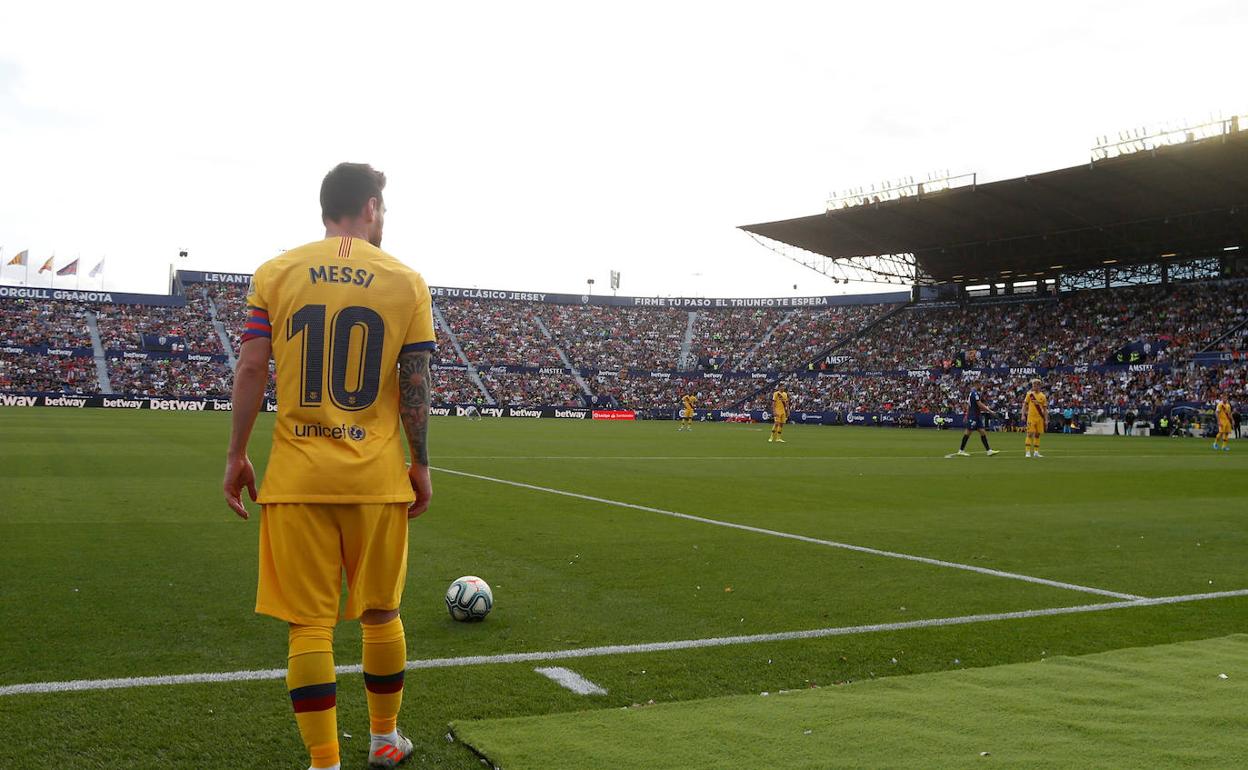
[[684, 303], [687, 303], [90, 297], [198, 276], [44, 350], [614, 414], [1217, 357], [99, 401], [163, 355]]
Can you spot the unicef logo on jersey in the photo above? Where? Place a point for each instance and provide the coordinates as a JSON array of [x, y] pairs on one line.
[[336, 432]]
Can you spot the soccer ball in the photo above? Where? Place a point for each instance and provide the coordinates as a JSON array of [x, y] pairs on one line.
[[469, 598]]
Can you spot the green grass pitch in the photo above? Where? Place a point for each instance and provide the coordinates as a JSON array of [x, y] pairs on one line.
[[118, 559]]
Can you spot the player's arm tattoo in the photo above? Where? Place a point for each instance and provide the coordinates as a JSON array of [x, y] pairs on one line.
[[414, 387]]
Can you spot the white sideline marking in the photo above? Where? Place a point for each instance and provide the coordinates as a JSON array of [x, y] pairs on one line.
[[82, 685], [571, 680], [803, 538]]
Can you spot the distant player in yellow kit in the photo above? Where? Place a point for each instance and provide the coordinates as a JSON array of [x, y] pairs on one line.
[[687, 403], [1035, 414], [1225, 424], [780, 413], [351, 331]]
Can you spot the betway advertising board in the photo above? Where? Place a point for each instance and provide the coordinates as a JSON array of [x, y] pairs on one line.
[[190, 404]]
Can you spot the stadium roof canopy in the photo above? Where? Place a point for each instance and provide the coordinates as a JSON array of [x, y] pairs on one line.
[[1173, 202]]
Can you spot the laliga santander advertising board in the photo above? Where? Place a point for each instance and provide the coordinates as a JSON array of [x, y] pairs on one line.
[[614, 414]]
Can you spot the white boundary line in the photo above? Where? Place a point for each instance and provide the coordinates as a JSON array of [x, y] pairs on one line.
[[82, 685], [567, 678], [803, 538]]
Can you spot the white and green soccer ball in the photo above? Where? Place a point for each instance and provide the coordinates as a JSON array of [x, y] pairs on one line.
[[469, 599]]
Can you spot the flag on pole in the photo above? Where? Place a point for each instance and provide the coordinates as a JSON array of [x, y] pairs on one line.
[[70, 269], [47, 265], [19, 258], [98, 269]]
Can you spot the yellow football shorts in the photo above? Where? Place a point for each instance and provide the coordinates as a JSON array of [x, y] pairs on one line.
[[780, 417], [1034, 425], [305, 548], [687, 414]]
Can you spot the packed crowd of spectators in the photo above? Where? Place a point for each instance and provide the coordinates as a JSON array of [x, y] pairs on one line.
[[32, 323], [1086, 327], [1166, 324], [617, 337], [728, 337], [47, 374], [650, 392], [1092, 393], [157, 377], [533, 389], [230, 300], [453, 386], [805, 334], [493, 332], [122, 326]]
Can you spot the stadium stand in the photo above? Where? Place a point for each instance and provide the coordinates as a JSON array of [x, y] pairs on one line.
[[804, 334], [47, 374], [728, 337], [1088, 327], [125, 327], [527, 389], [169, 377], [230, 300], [31, 323], [618, 337], [493, 333], [452, 386], [1133, 347]]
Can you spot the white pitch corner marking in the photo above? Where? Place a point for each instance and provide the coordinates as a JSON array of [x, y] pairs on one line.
[[538, 656], [803, 538], [568, 678]]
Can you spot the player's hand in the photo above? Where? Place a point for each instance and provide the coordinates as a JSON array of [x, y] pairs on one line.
[[419, 476], [239, 474]]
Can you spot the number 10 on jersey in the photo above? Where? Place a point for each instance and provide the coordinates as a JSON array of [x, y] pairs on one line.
[[356, 339]]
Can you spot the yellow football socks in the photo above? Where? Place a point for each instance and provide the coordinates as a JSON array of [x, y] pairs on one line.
[[385, 660], [314, 691]]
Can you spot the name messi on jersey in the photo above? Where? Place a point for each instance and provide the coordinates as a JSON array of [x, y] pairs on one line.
[[341, 274]]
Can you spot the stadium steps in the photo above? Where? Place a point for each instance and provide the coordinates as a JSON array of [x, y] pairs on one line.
[[567, 362], [220, 330], [97, 349], [745, 362], [684, 364], [440, 320]]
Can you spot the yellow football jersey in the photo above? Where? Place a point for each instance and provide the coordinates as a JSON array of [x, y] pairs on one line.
[[688, 402], [1036, 406], [1224, 411], [780, 401], [339, 312]]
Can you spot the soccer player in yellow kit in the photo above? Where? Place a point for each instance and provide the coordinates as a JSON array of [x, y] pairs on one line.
[[351, 331], [687, 403], [780, 413], [1225, 424], [1035, 414]]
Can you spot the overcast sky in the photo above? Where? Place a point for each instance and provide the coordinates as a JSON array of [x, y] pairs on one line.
[[531, 146]]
